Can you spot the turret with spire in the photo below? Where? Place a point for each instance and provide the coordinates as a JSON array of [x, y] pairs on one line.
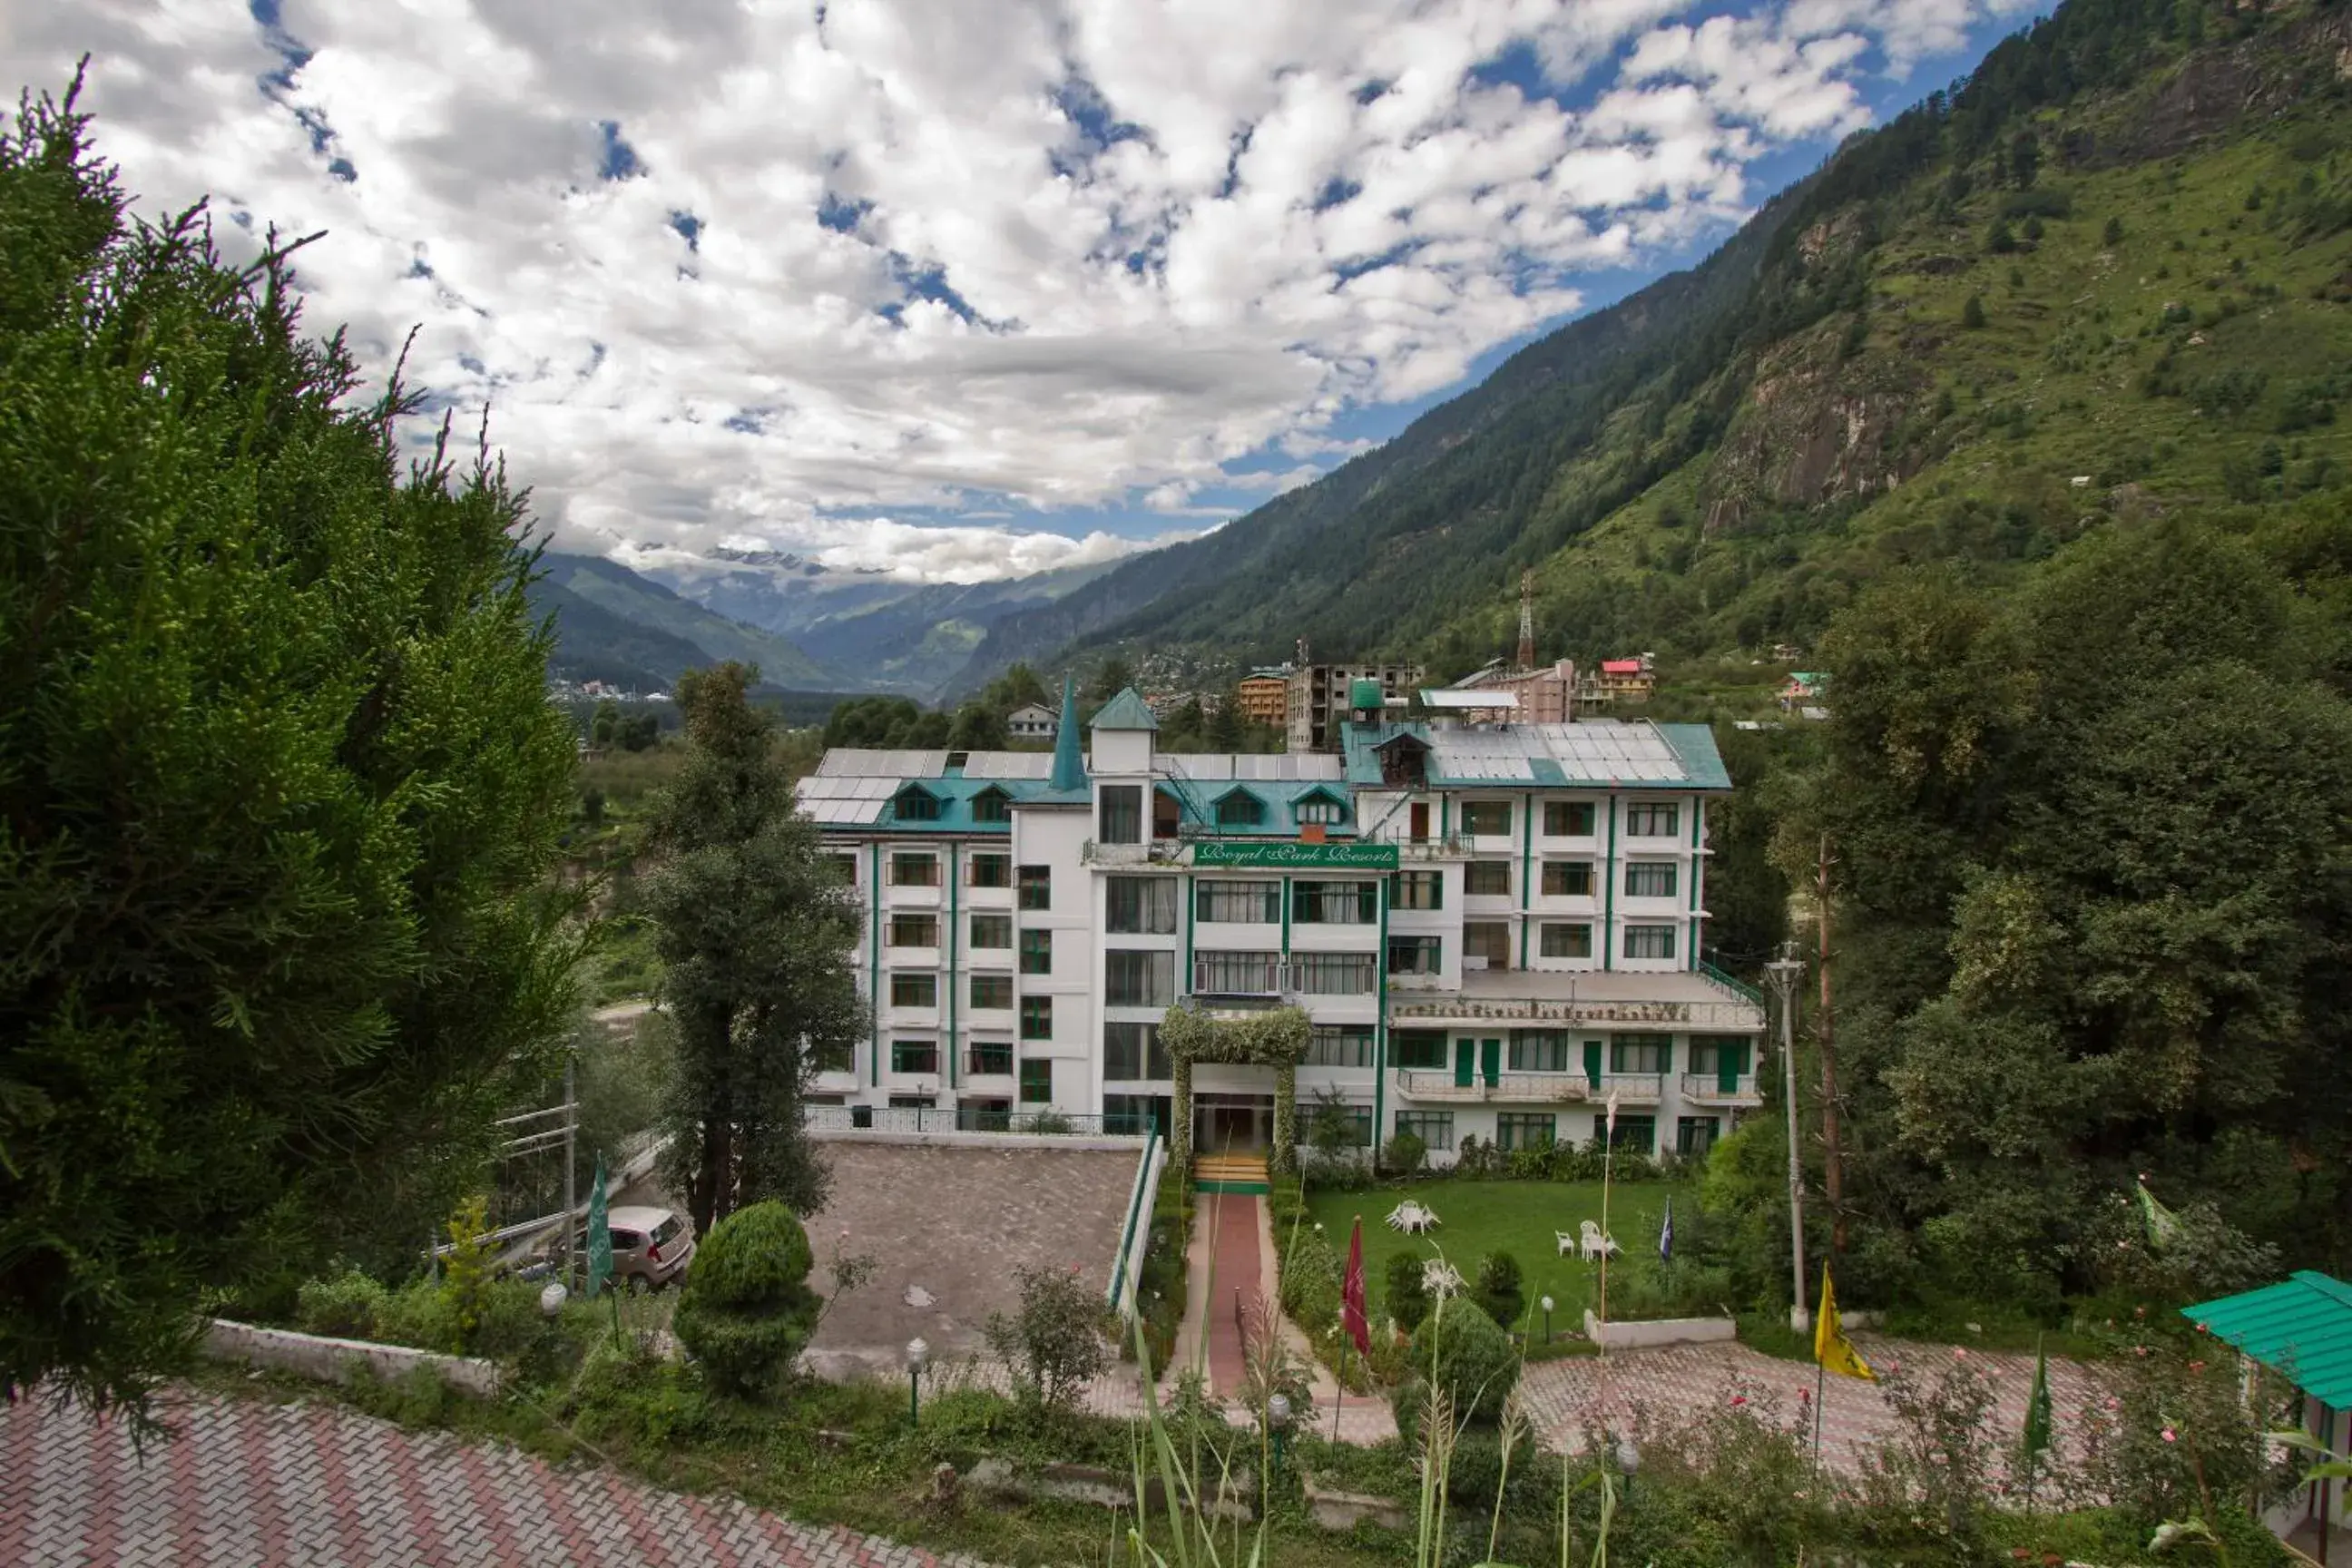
[[1069, 776]]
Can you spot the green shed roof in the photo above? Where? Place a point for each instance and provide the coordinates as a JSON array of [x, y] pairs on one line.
[[1124, 711], [2300, 1327]]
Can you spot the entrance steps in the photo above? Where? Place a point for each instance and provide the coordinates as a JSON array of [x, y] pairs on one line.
[[1232, 1173]]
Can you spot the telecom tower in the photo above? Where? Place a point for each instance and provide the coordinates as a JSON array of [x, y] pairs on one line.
[[1527, 618]]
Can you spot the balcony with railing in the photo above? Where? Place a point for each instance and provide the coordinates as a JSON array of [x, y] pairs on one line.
[[1712, 1088], [1631, 1088], [1522, 1088], [985, 1063], [1226, 981], [1428, 846]]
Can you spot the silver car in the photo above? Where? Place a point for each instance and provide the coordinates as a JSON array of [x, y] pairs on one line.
[[651, 1247]]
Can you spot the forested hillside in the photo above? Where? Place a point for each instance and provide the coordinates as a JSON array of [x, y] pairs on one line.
[[2106, 275]]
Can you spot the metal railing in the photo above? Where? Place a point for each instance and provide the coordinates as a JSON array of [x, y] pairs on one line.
[[1027, 1121], [1631, 1088], [1718, 1014], [1726, 980], [1223, 977], [1542, 1089], [1707, 1089], [1428, 846]]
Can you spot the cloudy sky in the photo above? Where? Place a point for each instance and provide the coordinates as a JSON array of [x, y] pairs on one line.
[[964, 288]]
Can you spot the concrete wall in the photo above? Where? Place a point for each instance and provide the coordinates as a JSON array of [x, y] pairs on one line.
[[1662, 1331], [323, 1359]]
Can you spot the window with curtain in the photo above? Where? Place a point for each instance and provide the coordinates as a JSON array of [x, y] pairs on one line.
[[1144, 979], [1335, 903], [1120, 814], [1144, 906], [1237, 903]]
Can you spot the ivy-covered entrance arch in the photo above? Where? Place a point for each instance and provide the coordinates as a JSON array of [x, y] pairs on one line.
[[1278, 1039]]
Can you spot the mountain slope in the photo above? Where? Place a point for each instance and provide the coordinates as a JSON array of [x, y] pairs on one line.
[[615, 624], [899, 636], [1717, 461]]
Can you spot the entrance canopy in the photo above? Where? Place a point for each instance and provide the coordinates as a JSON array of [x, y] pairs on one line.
[[2300, 1328]]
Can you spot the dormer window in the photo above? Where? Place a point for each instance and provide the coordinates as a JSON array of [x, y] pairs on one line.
[[915, 804], [1239, 808], [992, 804], [1404, 762], [1321, 807]]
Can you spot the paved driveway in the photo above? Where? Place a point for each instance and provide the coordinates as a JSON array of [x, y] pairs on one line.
[[249, 1482], [1687, 1379]]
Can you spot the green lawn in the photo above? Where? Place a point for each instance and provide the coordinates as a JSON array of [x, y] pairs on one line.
[[1516, 1217]]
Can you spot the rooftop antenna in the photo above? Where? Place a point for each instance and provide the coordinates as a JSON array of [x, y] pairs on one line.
[[1527, 618]]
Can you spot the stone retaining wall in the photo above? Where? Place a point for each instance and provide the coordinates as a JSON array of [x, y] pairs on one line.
[[325, 1360]]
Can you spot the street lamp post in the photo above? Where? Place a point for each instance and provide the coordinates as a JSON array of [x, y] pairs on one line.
[[1278, 1422], [1629, 1461], [1784, 972], [1546, 1307], [918, 1357]]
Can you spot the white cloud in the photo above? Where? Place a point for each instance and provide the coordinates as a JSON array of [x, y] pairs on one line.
[[1032, 258]]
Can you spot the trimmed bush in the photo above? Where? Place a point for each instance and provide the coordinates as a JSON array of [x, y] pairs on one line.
[[1404, 1293], [1500, 1289], [350, 1306], [747, 1308], [1466, 1353]]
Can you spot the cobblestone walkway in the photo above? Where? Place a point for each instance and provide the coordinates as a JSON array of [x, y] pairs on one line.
[[253, 1483], [1682, 1380]]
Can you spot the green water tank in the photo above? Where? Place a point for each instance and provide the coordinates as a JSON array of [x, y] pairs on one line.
[[1365, 695]]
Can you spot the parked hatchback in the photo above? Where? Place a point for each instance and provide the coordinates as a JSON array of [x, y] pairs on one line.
[[651, 1247]]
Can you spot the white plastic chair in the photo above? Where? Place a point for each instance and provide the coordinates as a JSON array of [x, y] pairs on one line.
[[1592, 1245], [1567, 1242]]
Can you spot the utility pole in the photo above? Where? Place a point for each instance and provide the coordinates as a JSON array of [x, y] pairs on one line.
[[1832, 1149], [1784, 972]]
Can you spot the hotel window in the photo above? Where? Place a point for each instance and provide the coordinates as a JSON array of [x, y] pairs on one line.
[[1357, 1118], [991, 931], [914, 990], [1486, 878], [992, 993], [844, 869], [1036, 953], [1133, 1115], [1120, 819], [1652, 820], [1419, 1047], [1539, 1050], [1319, 808], [1434, 1128], [1416, 955], [1133, 1051], [1335, 974], [1237, 973], [916, 806], [1568, 878], [1037, 1083], [1568, 819], [835, 1055], [1346, 1045], [1640, 1053], [914, 1056], [992, 1057], [914, 870], [1141, 906], [1036, 887], [1335, 903], [1649, 942], [1490, 940], [1037, 1017], [1636, 1132], [1239, 809], [1650, 879], [992, 804], [1237, 903], [1525, 1130], [1694, 1136], [914, 930], [1565, 939], [992, 871], [1418, 889], [1486, 818], [1708, 1054], [1139, 979]]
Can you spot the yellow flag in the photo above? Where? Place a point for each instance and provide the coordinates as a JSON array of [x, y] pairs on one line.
[[1831, 1349]]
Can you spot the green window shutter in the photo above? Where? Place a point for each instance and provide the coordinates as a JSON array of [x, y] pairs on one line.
[[1593, 1063], [1490, 1053]]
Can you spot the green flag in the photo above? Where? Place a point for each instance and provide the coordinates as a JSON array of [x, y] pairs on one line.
[[2162, 1227], [2037, 1404], [599, 1234]]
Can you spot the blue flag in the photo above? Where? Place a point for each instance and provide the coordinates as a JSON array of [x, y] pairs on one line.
[[1666, 1234]]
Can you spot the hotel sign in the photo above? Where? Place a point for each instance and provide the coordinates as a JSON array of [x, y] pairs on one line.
[[1289, 855]]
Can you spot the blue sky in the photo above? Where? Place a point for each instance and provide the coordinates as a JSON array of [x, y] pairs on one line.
[[958, 292]]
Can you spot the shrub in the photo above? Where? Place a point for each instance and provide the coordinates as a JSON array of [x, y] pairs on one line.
[[2001, 241], [419, 1315], [1972, 314], [1405, 1155], [747, 1308], [350, 1306], [1500, 1289], [2114, 233], [1402, 1292], [466, 1273], [1054, 1345], [1466, 1354]]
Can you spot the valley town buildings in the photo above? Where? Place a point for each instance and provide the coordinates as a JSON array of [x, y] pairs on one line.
[[1493, 927]]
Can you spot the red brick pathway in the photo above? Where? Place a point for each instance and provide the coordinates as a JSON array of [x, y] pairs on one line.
[[1234, 1221], [247, 1482]]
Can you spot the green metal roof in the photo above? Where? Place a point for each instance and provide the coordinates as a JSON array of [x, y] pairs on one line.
[[1125, 712], [2300, 1327]]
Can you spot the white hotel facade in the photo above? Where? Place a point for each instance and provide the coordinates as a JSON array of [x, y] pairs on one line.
[[1492, 928]]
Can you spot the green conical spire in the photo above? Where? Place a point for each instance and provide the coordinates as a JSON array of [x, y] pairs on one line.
[[1069, 766]]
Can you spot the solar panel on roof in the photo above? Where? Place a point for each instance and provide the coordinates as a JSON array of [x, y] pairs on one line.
[[1008, 765]]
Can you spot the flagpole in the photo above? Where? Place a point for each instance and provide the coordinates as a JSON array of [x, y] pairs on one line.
[[1340, 1395], [1821, 1366], [1608, 1163]]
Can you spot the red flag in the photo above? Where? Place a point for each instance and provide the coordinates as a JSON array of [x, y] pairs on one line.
[[1352, 1292]]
